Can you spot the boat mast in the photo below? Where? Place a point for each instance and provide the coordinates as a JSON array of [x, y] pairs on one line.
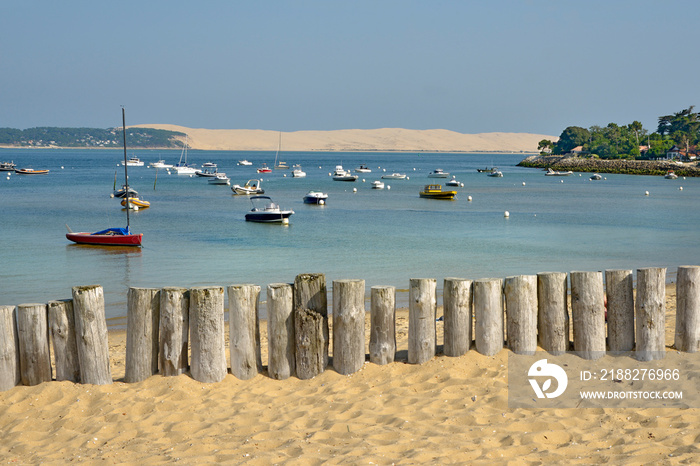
[[126, 173]]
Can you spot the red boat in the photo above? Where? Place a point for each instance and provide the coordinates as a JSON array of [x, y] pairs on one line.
[[109, 237], [264, 169]]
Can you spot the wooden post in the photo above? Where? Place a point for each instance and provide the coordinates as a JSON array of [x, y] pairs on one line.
[[309, 339], [488, 315], [521, 313], [91, 334], [173, 330], [142, 325], [280, 331], [65, 349], [588, 311], [553, 312], [9, 349], [310, 293], [244, 330], [650, 313], [33, 333], [422, 311], [688, 309], [382, 336], [619, 290], [207, 331], [348, 325], [457, 312]]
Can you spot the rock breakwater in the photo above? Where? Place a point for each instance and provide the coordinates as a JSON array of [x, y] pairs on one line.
[[627, 167]]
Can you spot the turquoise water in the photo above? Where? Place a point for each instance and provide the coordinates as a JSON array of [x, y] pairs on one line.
[[195, 233]]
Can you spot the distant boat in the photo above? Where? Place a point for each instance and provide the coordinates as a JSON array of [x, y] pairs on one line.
[[30, 171], [7, 166], [182, 168], [250, 187], [596, 176], [496, 173], [267, 212], [220, 178], [394, 176], [315, 197], [363, 169], [208, 172], [280, 165], [434, 191], [264, 169], [486, 170], [298, 172], [244, 162], [551, 172], [670, 175], [209, 165], [438, 173], [160, 164], [340, 174], [135, 202], [122, 191], [133, 162], [453, 182], [377, 184]]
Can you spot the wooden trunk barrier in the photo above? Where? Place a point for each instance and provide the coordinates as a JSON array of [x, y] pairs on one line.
[[9, 348], [65, 349], [207, 333], [650, 313], [688, 309], [619, 290], [33, 333], [309, 343], [348, 325], [310, 293], [281, 362], [244, 330], [488, 315], [173, 331], [382, 335], [457, 316], [91, 334], [142, 326], [521, 313], [422, 311], [588, 312], [553, 312]]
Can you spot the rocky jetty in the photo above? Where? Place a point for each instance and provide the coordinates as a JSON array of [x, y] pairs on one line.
[[627, 167]]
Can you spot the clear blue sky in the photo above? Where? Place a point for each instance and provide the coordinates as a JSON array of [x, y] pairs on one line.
[[533, 66]]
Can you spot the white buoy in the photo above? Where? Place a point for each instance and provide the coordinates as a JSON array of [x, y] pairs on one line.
[[61, 167], [111, 195], [523, 183], [322, 202], [388, 187], [506, 214], [408, 178], [284, 176], [646, 193], [8, 177], [561, 181], [354, 190], [469, 198], [136, 207], [414, 168], [385, 169], [285, 221], [461, 185], [363, 180], [681, 188]]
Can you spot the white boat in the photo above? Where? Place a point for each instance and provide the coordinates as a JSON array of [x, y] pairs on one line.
[[670, 175], [315, 197], [133, 162], [363, 169], [244, 162], [298, 172], [182, 168], [220, 178], [551, 172], [496, 174], [267, 212], [341, 174], [453, 182], [394, 176], [209, 165], [160, 164], [251, 187], [377, 184], [7, 166], [438, 173], [280, 165], [596, 176], [208, 172]]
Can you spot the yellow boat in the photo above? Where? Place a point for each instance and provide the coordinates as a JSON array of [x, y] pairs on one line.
[[434, 191], [135, 201]]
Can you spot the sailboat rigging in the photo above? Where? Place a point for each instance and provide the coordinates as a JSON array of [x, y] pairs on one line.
[[280, 165]]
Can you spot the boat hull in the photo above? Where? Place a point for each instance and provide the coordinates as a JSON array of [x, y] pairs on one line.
[[446, 195], [105, 240], [29, 171], [268, 217]]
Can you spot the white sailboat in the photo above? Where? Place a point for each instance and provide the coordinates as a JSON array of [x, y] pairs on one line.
[[182, 168], [280, 165]]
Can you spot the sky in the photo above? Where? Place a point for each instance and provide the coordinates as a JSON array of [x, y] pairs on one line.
[[532, 66]]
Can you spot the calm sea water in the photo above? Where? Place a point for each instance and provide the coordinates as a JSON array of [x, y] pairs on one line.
[[195, 233]]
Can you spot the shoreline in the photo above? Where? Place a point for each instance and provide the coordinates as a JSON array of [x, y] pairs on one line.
[[624, 167]]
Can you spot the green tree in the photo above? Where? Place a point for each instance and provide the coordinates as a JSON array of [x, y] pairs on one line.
[[545, 146], [571, 137]]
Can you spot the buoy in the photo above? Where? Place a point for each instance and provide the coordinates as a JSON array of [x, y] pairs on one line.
[[285, 221], [414, 168], [61, 167], [561, 181], [461, 184], [408, 178], [523, 183], [385, 169], [284, 176], [681, 188], [388, 187], [111, 195], [469, 198], [506, 214], [322, 202], [354, 190], [646, 193], [363, 180], [8, 177], [136, 207]]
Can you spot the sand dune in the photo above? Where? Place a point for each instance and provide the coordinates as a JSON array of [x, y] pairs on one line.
[[358, 140]]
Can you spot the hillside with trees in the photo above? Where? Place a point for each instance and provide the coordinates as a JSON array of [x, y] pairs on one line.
[[89, 137]]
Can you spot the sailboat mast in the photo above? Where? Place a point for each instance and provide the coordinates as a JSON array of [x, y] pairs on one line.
[[126, 173]]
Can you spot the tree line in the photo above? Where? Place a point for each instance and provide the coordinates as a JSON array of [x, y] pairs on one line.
[[630, 141], [89, 137]]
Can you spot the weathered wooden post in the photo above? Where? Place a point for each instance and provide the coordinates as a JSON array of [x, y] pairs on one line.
[[244, 330], [173, 330], [688, 309], [457, 313], [588, 311], [619, 290], [488, 315], [553, 312], [33, 333], [382, 336], [521, 313], [91, 334], [311, 324], [207, 333], [9, 349], [281, 362], [142, 326], [650, 313], [65, 349], [422, 311], [348, 325]]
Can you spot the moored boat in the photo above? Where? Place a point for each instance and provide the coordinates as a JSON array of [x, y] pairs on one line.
[[438, 173], [496, 174], [315, 197], [551, 172], [298, 172], [160, 164], [183, 168], [377, 184], [394, 176], [220, 178], [340, 174], [670, 175], [434, 191], [135, 202], [30, 171], [121, 192], [453, 182], [244, 162], [134, 162], [596, 176], [363, 169], [267, 212], [250, 187], [264, 169], [7, 166]]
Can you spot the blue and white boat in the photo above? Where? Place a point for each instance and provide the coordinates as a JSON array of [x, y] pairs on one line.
[[266, 211]]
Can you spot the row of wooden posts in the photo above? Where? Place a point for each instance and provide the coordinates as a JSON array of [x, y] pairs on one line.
[[522, 311]]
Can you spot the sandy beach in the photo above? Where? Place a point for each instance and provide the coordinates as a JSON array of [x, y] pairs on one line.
[[450, 410]]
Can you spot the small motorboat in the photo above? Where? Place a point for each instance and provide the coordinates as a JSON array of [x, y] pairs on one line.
[[377, 184], [434, 191], [7, 166], [551, 172], [122, 191], [264, 169], [30, 171], [209, 165], [134, 162], [136, 202], [438, 173], [244, 162], [363, 169], [108, 237], [315, 197], [496, 174], [596, 176], [250, 187], [220, 178], [453, 182], [298, 172], [208, 172], [266, 211], [486, 170], [670, 175], [160, 164], [340, 174], [395, 176]]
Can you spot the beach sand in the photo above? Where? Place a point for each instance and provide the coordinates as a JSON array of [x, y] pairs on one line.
[[450, 410]]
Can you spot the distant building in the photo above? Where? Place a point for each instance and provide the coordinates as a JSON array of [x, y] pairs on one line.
[[673, 153]]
